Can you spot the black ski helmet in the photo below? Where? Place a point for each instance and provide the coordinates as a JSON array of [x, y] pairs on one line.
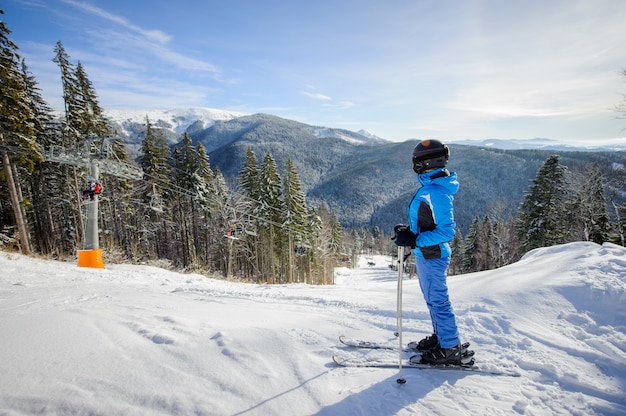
[[430, 154]]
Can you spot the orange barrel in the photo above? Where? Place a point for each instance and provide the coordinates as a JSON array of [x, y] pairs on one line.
[[90, 258]]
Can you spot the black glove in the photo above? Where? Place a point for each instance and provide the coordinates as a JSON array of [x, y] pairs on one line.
[[404, 237]]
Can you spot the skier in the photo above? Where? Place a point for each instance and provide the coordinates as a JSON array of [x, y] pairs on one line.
[[431, 227], [93, 188]]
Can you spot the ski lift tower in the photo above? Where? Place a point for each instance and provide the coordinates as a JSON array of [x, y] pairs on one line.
[[97, 155]]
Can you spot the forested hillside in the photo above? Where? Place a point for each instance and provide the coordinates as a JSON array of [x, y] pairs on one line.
[[315, 151], [369, 183]]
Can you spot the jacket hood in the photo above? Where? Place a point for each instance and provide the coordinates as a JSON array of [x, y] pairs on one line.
[[440, 177]]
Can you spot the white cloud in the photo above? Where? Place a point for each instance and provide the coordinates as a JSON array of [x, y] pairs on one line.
[[154, 35], [317, 96], [341, 105], [136, 39]]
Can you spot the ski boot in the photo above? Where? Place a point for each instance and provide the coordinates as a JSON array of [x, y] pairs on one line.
[[428, 343]]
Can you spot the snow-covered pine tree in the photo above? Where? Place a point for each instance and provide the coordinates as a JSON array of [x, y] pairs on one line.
[[294, 223], [249, 201], [45, 182], [336, 232], [187, 182], [270, 212], [543, 213], [327, 245], [249, 177], [91, 120], [223, 222], [203, 199], [71, 93], [152, 218], [314, 229], [117, 210], [469, 262], [456, 258]]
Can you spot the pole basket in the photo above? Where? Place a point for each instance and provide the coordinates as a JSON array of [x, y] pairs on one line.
[[90, 258]]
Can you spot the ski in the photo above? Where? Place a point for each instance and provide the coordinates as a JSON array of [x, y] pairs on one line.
[[373, 345], [345, 361], [357, 343]]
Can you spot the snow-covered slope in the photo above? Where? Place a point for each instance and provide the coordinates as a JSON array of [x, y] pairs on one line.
[[137, 340]]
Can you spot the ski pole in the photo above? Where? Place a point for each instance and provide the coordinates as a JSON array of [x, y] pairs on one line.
[[400, 379]]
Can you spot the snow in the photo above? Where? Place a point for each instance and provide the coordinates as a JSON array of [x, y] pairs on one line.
[[137, 340], [178, 119], [362, 137], [617, 144]]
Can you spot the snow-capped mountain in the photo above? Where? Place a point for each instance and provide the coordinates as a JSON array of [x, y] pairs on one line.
[[130, 123], [548, 144], [174, 122], [367, 133], [177, 121], [349, 136]]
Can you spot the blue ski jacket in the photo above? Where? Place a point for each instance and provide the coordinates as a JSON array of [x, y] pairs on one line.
[[431, 214]]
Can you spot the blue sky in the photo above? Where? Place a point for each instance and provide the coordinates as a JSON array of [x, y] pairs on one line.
[[465, 69]]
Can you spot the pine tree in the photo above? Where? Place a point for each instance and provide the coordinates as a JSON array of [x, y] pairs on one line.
[[250, 203], [469, 262], [542, 221], [155, 158], [295, 216], [155, 163], [327, 244], [91, 120], [249, 176], [270, 212], [314, 236], [16, 129], [45, 179], [71, 92], [117, 213], [203, 200], [456, 258], [223, 216], [484, 250], [186, 165]]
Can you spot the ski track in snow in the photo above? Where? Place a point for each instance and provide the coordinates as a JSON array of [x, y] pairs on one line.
[[135, 340]]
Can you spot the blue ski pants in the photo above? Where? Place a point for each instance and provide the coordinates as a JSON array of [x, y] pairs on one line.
[[432, 277]]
